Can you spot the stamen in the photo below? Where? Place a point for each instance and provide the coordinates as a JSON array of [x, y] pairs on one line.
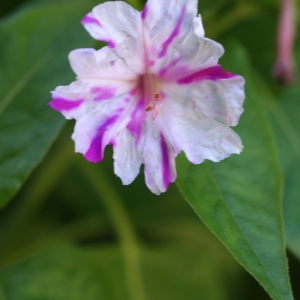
[[157, 97], [150, 106]]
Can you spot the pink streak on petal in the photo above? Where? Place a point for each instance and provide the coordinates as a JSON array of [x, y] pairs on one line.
[[171, 64], [172, 36], [90, 20], [103, 93], [111, 44], [165, 161], [95, 152], [145, 12], [61, 104], [213, 73], [138, 116], [134, 91]]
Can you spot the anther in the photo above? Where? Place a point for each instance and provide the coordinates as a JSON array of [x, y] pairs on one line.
[[157, 97], [150, 106]]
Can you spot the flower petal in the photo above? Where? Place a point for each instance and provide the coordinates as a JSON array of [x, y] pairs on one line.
[[118, 24], [113, 22], [96, 129], [168, 21], [216, 94], [102, 64], [159, 159], [81, 97], [127, 156], [198, 26], [168, 31], [200, 134]]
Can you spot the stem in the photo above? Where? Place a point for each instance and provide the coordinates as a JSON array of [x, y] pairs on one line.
[[124, 229]]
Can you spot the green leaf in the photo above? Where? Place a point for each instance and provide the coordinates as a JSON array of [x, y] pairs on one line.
[[64, 273], [239, 199], [284, 108], [33, 57]]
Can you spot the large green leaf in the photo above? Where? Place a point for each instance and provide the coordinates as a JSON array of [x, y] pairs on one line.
[[239, 199], [284, 106], [33, 57]]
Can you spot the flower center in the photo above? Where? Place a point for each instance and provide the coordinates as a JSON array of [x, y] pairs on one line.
[[151, 94]]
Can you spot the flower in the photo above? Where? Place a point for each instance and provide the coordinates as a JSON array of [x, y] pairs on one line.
[[155, 90]]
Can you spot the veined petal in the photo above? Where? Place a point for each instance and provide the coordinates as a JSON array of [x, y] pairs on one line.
[[96, 129], [113, 22], [158, 158], [198, 135], [101, 64], [81, 97], [167, 22], [127, 156], [215, 93], [169, 26], [120, 25], [182, 61]]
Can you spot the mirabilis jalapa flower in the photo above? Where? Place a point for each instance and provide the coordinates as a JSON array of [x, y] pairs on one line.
[[155, 90]]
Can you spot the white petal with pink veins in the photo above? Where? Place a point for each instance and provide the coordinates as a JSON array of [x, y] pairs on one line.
[[199, 136], [127, 156], [159, 159], [155, 90]]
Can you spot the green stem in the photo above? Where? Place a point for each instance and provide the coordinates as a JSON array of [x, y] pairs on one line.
[[124, 228]]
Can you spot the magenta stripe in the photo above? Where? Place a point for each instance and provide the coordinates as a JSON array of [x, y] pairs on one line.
[[95, 152], [103, 93], [90, 20], [135, 126], [145, 12], [213, 73], [166, 167], [172, 36], [170, 65], [61, 104]]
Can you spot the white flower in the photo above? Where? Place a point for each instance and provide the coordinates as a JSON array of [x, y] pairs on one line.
[[154, 91]]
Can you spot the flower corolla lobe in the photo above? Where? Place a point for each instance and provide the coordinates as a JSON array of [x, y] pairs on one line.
[[155, 90]]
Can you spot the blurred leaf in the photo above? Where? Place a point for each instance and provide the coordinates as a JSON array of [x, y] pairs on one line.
[[33, 56], [239, 199], [184, 262], [65, 273]]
